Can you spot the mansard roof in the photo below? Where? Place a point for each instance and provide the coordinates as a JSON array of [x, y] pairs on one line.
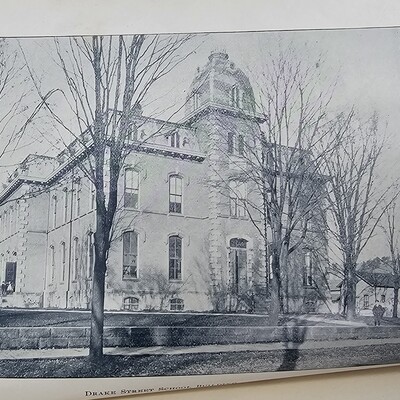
[[153, 137]]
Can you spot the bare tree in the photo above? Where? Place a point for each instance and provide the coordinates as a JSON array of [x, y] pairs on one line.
[[106, 81], [391, 233], [15, 100], [279, 160], [354, 200]]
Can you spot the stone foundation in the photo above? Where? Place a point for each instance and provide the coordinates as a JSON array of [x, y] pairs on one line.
[[64, 337]]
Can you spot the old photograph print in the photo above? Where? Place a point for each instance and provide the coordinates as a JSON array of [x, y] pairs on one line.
[[199, 203]]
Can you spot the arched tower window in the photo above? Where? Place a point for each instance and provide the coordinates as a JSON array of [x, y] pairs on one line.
[[236, 98], [236, 143], [237, 195], [195, 101], [175, 140]]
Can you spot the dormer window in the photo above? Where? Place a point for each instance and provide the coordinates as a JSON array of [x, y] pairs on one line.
[[175, 140]]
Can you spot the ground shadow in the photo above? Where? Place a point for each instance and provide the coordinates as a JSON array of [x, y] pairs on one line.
[[294, 335]]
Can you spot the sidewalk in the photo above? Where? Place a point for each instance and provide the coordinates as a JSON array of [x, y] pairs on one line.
[[323, 319], [160, 350]]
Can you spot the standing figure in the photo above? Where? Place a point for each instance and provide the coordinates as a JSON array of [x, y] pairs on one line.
[[10, 288], [378, 312]]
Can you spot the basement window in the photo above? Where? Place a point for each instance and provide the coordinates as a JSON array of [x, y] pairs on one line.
[[131, 303], [176, 305]]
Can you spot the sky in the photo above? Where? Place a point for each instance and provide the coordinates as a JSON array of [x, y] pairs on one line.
[[365, 63]]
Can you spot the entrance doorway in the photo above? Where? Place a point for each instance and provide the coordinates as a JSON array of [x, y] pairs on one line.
[[11, 276], [238, 261]]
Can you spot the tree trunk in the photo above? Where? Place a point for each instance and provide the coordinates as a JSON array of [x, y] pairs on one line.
[[395, 301], [275, 308], [98, 293], [350, 299], [283, 265]]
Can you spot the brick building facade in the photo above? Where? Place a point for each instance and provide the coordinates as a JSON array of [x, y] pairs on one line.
[[181, 239]]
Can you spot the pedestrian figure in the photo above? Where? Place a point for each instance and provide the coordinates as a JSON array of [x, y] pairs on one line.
[[378, 312]]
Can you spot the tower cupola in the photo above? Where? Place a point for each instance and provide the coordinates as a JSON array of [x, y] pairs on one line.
[[220, 84]]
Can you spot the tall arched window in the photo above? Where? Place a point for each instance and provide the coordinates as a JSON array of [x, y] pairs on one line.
[[11, 220], [131, 190], [16, 217], [52, 263], [5, 220], [175, 194], [92, 196], [238, 263], [308, 278], [78, 194], [130, 255], [75, 260], [66, 200], [63, 261], [90, 255], [175, 257], [54, 211]]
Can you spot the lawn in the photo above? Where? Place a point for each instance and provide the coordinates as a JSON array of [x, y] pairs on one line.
[[202, 363], [24, 318]]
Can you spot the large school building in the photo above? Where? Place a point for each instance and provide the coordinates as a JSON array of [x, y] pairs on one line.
[[182, 238]]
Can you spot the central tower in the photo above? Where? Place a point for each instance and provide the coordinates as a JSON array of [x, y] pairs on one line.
[[220, 106]]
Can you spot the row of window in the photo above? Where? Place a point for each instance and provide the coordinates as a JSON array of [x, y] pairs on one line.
[[72, 200], [237, 98], [71, 204], [131, 191], [76, 259], [132, 304], [308, 275], [238, 194], [9, 220], [129, 259], [130, 256]]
